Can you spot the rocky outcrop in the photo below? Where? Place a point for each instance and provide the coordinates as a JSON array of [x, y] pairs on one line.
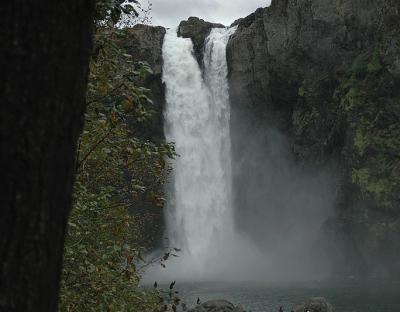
[[218, 306], [276, 48], [144, 43], [197, 30], [317, 304], [326, 73]]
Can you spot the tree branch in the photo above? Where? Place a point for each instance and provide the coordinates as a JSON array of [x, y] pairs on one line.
[[80, 163]]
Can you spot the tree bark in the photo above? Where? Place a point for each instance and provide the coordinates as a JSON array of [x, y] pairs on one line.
[[44, 54]]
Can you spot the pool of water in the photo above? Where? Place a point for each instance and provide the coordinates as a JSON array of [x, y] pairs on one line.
[[345, 296]]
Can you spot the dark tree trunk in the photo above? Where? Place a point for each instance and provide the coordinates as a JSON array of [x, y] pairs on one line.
[[44, 53]]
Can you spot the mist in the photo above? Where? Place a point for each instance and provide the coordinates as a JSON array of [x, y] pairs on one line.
[[280, 211], [280, 204], [239, 206]]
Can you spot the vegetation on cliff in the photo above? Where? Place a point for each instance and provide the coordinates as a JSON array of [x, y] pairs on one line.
[[116, 170], [327, 75], [352, 115], [361, 105], [367, 97]]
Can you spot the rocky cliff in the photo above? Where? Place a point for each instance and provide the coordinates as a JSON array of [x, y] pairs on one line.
[[326, 73], [144, 43], [197, 30]]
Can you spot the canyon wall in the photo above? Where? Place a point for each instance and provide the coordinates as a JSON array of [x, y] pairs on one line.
[[144, 43], [324, 75]]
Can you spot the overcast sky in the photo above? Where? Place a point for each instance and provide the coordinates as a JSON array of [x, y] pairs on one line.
[[169, 13]]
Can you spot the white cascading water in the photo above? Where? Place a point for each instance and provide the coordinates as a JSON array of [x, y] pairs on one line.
[[197, 115], [199, 212]]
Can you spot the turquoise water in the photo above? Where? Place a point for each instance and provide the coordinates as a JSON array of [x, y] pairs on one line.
[[347, 296]]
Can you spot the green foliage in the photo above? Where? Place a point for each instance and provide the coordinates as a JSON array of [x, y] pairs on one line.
[[111, 10], [99, 274], [302, 91], [362, 95], [372, 184], [116, 170], [127, 12], [314, 119], [361, 140], [359, 66], [306, 118], [375, 65]]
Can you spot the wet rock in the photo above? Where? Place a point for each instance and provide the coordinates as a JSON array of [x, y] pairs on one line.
[[318, 304], [217, 306], [144, 43], [326, 74], [198, 30]]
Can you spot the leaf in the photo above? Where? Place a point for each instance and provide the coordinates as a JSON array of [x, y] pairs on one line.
[[166, 256], [71, 224]]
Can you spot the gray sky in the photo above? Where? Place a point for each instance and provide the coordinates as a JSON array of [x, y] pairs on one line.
[[169, 13]]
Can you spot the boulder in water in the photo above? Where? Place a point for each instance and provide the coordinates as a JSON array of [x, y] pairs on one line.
[[318, 304], [217, 306]]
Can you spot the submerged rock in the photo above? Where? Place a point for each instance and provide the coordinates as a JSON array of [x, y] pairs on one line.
[[217, 306], [318, 304]]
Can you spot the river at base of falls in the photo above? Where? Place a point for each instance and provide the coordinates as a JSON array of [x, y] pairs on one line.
[[348, 295]]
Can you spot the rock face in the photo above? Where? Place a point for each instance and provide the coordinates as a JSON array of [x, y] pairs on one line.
[[326, 73], [318, 304], [145, 44], [198, 30], [217, 306]]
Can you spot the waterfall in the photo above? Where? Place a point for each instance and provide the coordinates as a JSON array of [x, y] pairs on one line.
[[286, 211], [199, 211]]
